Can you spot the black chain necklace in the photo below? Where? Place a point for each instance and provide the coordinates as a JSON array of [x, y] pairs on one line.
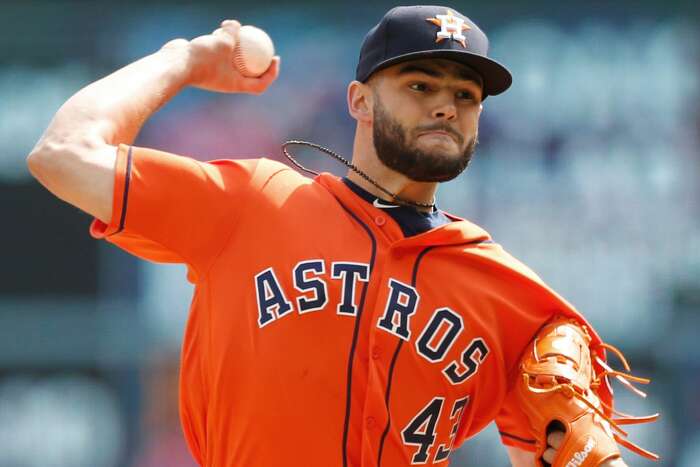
[[352, 167]]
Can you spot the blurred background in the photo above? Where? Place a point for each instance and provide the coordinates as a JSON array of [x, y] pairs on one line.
[[587, 170]]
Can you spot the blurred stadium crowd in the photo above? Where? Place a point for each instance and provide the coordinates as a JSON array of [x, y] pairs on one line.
[[587, 170]]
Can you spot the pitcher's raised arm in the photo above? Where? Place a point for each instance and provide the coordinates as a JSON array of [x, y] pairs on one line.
[[76, 156]]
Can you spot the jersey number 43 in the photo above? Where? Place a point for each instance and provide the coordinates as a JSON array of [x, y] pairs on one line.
[[421, 431]]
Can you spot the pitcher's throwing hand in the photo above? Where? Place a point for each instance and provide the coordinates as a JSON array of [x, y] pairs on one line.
[[212, 65]]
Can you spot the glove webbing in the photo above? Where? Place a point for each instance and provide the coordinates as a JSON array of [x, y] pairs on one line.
[[570, 389]]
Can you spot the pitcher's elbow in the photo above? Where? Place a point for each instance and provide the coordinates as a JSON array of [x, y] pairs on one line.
[[44, 159], [34, 163]]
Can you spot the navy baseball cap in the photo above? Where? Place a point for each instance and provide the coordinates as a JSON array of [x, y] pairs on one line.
[[413, 32]]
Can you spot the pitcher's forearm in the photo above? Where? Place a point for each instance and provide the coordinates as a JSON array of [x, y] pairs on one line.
[[76, 157], [113, 109]]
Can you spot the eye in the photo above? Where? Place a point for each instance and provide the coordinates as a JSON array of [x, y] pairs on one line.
[[420, 87], [466, 95]]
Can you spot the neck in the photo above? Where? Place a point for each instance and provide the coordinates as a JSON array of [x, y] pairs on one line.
[[365, 158]]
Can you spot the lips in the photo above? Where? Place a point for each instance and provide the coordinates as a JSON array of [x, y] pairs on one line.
[[438, 133]]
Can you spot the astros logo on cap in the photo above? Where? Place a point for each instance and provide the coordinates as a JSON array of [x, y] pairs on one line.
[[451, 27]]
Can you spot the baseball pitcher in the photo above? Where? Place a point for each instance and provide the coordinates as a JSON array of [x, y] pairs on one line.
[[343, 321]]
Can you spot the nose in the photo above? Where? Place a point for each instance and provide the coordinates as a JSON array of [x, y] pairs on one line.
[[446, 111]]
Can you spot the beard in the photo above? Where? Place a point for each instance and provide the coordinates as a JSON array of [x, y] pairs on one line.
[[399, 154]]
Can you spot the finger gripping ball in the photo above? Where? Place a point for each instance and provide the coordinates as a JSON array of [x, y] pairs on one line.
[[253, 52]]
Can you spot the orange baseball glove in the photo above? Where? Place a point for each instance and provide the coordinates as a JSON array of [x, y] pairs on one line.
[[561, 378]]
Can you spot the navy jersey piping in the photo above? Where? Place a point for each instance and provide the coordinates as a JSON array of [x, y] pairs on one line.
[[414, 279], [125, 200], [517, 438], [386, 402], [393, 361], [355, 333]]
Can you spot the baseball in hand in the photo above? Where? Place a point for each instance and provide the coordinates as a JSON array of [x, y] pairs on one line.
[[253, 52]]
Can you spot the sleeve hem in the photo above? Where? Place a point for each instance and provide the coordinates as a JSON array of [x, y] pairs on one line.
[[120, 196], [518, 442]]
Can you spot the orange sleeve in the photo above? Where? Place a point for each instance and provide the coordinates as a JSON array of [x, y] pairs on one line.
[[513, 426], [174, 209]]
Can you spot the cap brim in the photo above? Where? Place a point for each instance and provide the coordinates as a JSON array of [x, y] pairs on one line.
[[497, 78]]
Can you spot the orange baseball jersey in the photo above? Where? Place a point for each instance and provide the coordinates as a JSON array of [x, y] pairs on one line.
[[320, 335]]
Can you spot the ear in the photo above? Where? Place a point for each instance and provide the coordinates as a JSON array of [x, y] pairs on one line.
[[360, 101]]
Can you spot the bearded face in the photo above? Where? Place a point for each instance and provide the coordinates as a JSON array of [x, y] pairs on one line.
[[398, 149]]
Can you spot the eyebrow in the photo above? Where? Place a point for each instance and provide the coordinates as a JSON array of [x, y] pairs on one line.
[[463, 73]]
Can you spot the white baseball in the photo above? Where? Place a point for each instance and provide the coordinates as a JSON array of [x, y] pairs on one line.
[[253, 52]]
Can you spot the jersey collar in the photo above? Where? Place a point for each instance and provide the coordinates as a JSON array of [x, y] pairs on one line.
[[459, 232]]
